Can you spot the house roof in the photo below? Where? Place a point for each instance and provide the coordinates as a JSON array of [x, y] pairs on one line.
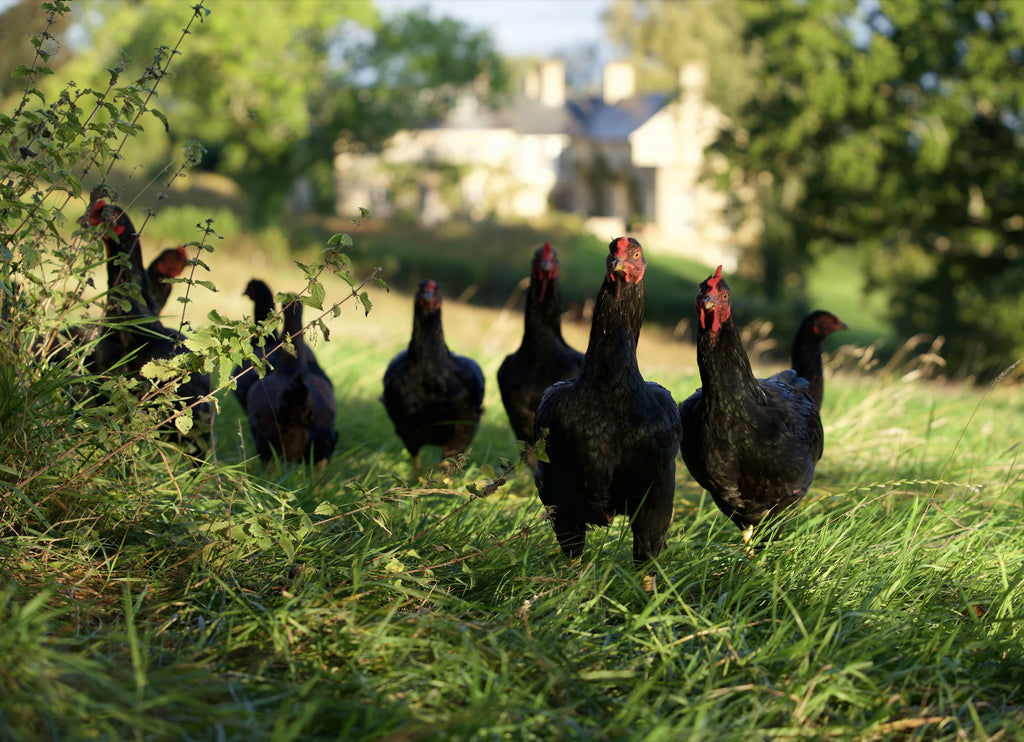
[[588, 117], [596, 119], [520, 114]]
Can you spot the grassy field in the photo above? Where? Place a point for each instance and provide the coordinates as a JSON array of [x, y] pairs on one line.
[[160, 600]]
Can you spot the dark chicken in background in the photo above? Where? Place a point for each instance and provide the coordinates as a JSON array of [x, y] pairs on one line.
[[433, 396], [806, 355], [752, 443], [611, 437], [262, 307], [132, 335], [291, 410], [168, 264], [543, 356]]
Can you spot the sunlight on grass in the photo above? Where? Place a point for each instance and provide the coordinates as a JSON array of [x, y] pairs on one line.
[[364, 602]]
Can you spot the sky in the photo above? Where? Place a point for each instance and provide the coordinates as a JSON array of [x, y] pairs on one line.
[[520, 27]]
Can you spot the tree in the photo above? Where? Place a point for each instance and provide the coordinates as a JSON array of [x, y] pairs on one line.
[[19, 23], [268, 86], [897, 128], [661, 36]]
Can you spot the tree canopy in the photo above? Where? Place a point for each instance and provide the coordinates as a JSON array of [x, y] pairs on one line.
[[267, 87], [660, 36], [896, 128]]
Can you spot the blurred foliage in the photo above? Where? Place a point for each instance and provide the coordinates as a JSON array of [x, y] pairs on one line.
[[660, 36], [18, 23], [268, 87], [895, 127], [891, 127]]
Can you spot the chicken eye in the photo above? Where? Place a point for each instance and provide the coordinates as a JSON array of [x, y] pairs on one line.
[[636, 255], [725, 296]]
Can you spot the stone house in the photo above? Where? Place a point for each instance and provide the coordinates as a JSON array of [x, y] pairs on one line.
[[622, 161]]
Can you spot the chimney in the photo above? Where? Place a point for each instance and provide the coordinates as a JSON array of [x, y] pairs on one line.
[[552, 82], [531, 84], [693, 78], [619, 82]]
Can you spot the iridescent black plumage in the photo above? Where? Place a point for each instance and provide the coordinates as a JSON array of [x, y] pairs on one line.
[[262, 307], [133, 336], [292, 410], [433, 396], [611, 436], [752, 443], [543, 356], [806, 355]]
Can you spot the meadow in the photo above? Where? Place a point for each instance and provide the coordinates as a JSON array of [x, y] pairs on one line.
[[156, 599], [148, 597]]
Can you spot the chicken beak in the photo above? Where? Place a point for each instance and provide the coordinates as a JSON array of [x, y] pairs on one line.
[[705, 308]]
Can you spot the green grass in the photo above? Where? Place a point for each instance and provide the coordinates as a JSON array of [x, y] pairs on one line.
[[167, 601]]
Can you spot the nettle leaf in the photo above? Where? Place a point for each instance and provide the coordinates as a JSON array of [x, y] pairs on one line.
[[200, 343], [318, 293], [326, 509], [21, 71], [159, 370], [163, 119], [367, 304], [340, 239], [183, 422]]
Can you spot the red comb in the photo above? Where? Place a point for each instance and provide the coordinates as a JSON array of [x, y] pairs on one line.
[[715, 279]]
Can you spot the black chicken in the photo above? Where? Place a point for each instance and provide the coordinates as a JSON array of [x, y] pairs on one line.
[[543, 356], [816, 326], [611, 436], [752, 443], [168, 264], [291, 409], [433, 396], [262, 307], [133, 335]]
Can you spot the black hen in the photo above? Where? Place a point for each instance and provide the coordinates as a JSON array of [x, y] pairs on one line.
[[168, 264], [752, 443], [262, 307], [133, 336], [433, 396], [291, 409], [611, 436], [543, 356], [806, 356]]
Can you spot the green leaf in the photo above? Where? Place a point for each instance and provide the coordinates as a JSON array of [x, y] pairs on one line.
[[367, 304], [163, 119], [317, 293], [202, 343], [183, 422], [159, 370], [325, 509]]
